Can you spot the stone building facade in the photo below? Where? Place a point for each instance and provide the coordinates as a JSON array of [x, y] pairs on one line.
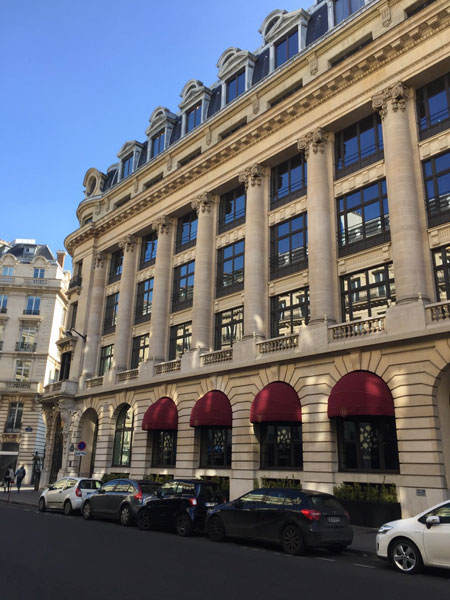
[[262, 286]]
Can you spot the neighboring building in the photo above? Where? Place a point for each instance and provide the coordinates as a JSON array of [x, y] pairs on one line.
[[262, 286], [32, 311]]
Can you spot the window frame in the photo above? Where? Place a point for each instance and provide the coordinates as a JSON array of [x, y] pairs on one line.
[[183, 286], [296, 442], [115, 266], [287, 39], [22, 371], [238, 82], [140, 350], [388, 282], [298, 257], [121, 439], [185, 337], [196, 112], [436, 213], [236, 322], [444, 252], [238, 215], [293, 192], [348, 4], [208, 457], [106, 359], [3, 303], [144, 301], [111, 311], [237, 275], [149, 246], [13, 423], [424, 119], [190, 219], [342, 169], [158, 143], [33, 305], [275, 316], [127, 165], [161, 457]]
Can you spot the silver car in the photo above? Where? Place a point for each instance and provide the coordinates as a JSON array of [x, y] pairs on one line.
[[68, 494]]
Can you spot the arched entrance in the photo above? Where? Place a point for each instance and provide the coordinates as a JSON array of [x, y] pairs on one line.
[[88, 430], [57, 450]]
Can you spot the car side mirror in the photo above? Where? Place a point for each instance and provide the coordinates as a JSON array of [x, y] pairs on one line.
[[237, 504], [101, 491], [50, 488], [432, 520]]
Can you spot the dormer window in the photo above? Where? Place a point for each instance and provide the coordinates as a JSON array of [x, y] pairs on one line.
[[127, 166], [193, 117], [235, 86], [345, 8], [286, 48], [158, 142], [194, 105]]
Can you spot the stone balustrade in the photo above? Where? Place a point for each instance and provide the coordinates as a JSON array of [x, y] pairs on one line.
[[168, 367], [355, 329], [278, 344], [94, 381], [127, 375], [439, 311], [218, 356]]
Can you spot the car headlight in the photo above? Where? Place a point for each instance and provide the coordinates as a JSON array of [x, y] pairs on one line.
[[385, 528]]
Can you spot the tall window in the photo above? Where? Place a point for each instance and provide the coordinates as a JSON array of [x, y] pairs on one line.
[[289, 312], [127, 166], [106, 358], [140, 350], [112, 306], [180, 340], [183, 286], [433, 107], [123, 437], [66, 359], [23, 370], [33, 305], [115, 267], [3, 303], [148, 250], [441, 264], [164, 453], [363, 218], [286, 48], [8, 271], [28, 338], [229, 327], [232, 209], [235, 86], [367, 293], [281, 445], [73, 314], [144, 299], [158, 144], [289, 246], [288, 181], [345, 8], [14, 419], [359, 145], [215, 446], [186, 231], [38, 273], [436, 172], [193, 117], [230, 269]]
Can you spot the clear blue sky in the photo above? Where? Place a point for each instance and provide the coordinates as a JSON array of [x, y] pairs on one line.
[[79, 78]]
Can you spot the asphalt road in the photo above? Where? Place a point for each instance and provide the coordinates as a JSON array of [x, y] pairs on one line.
[[46, 556]]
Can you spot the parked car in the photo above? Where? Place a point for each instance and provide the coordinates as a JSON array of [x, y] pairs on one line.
[[423, 540], [119, 499], [295, 518], [181, 504], [68, 494]]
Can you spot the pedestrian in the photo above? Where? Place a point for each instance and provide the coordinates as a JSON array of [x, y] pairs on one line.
[[8, 479], [20, 474]]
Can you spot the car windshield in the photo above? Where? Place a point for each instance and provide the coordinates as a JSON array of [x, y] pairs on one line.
[[326, 502]]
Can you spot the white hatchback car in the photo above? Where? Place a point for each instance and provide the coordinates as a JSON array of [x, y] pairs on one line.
[[68, 494], [423, 540]]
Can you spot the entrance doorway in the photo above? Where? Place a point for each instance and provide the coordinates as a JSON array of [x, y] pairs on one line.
[[88, 430], [57, 450]]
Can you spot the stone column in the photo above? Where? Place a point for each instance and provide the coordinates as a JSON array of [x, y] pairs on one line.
[[404, 215], [161, 289], [91, 348], [126, 296], [204, 260], [321, 238], [255, 264], [48, 415]]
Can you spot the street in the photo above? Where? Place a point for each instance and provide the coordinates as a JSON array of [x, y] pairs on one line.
[[45, 556]]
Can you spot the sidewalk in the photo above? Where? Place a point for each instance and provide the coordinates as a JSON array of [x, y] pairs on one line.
[[26, 496]]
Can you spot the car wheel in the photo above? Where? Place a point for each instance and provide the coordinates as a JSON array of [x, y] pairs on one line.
[[405, 556], [67, 508], [143, 519], [292, 540], [87, 511], [42, 506], [183, 525], [125, 516], [216, 529]]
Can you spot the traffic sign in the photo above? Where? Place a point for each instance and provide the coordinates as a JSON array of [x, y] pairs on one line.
[[80, 452], [81, 445]]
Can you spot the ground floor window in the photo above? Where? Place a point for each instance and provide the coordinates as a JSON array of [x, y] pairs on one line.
[[122, 438], [164, 452], [215, 447], [281, 445]]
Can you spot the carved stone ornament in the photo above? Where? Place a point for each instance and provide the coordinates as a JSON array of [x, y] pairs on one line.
[[313, 68], [255, 104], [385, 12], [252, 176], [127, 243], [99, 260], [203, 203], [162, 225], [396, 95], [315, 140], [208, 136]]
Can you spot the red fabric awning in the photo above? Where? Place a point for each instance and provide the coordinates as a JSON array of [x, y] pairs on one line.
[[212, 410], [162, 414], [276, 402], [360, 393]]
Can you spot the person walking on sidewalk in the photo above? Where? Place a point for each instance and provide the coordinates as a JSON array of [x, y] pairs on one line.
[[20, 474], [8, 479]]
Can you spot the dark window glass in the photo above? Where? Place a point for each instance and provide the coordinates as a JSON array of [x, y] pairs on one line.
[[286, 48], [106, 358], [193, 117], [252, 499], [127, 166], [436, 173], [183, 286], [66, 359], [367, 444], [345, 8], [215, 447], [359, 145], [232, 209], [144, 299], [230, 269], [288, 181], [236, 86], [73, 315], [14, 419], [289, 312], [123, 437], [186, 231], [164, 448], [148, 250], [109, 487], [367, 293], [180, 340], [363, 218], [158, 144], [3, 303], [140, 350], [229, 327], [115, 267], [111, 308], [441, 264], [433, 107], [289, 246], [281, 445], [33, 305]]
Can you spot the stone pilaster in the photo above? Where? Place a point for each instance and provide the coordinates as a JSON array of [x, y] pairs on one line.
[[404, 215], [321, 239], [125, 309], [255, 264], [48, 415], [91, 347]]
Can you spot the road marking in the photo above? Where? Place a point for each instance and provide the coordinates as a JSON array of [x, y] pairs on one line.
[[364, 566], [327, 559]]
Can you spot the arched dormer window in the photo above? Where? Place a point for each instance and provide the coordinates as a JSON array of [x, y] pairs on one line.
[[285, 33], [162, 122], [194, 104], [129, 158], [236, 72], [93, 182]]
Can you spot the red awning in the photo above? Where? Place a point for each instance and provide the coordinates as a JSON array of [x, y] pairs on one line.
[[276, 402], [212, 410], [360, 393], [162, 414]]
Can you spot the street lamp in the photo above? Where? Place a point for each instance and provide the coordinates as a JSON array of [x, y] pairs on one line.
[[69, 333]]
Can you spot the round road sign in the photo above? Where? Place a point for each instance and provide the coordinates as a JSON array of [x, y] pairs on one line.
[[81, 445]]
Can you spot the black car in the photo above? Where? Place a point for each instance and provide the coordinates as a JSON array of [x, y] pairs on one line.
[[119, 499], [297, 519], [181, 504]]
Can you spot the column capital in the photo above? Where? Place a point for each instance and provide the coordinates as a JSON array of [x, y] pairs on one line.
[[252, 176], [394, 96], [203, 203], [99, 260], [315, 140], [162, 225], [128, 243]]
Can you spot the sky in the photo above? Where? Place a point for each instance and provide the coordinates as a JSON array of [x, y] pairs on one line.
[[79, 78]]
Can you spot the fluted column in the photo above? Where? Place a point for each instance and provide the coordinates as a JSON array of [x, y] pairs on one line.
[[126, 295], [161, 287], [204, 256], [255, 264], [404, 215], [321, 259], [95, 315]]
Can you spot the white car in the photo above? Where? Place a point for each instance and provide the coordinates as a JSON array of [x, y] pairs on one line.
[[423, 540], [68, 493]]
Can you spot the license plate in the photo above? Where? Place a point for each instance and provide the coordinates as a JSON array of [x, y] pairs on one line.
[[210, 503], [334, 519]]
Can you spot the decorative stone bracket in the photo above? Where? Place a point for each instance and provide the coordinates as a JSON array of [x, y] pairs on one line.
[[252, 176]]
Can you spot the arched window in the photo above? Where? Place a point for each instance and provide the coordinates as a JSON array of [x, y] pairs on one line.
[[123, 437], [161, 418], [212, 415]]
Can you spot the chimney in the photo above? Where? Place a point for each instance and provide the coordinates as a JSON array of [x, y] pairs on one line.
[[60, 256]]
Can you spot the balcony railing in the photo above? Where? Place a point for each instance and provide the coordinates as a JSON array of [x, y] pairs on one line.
[[218, 356], [35, 281], [31, 311], [278, 344], [3, 310], [7, 279], [24, 347], [126, 375], [168, 367], [75, 282], [94, 381], [13, 385], [439, 311], [357, 329]]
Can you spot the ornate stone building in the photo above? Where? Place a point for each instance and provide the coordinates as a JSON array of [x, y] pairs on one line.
[[262, 286]]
